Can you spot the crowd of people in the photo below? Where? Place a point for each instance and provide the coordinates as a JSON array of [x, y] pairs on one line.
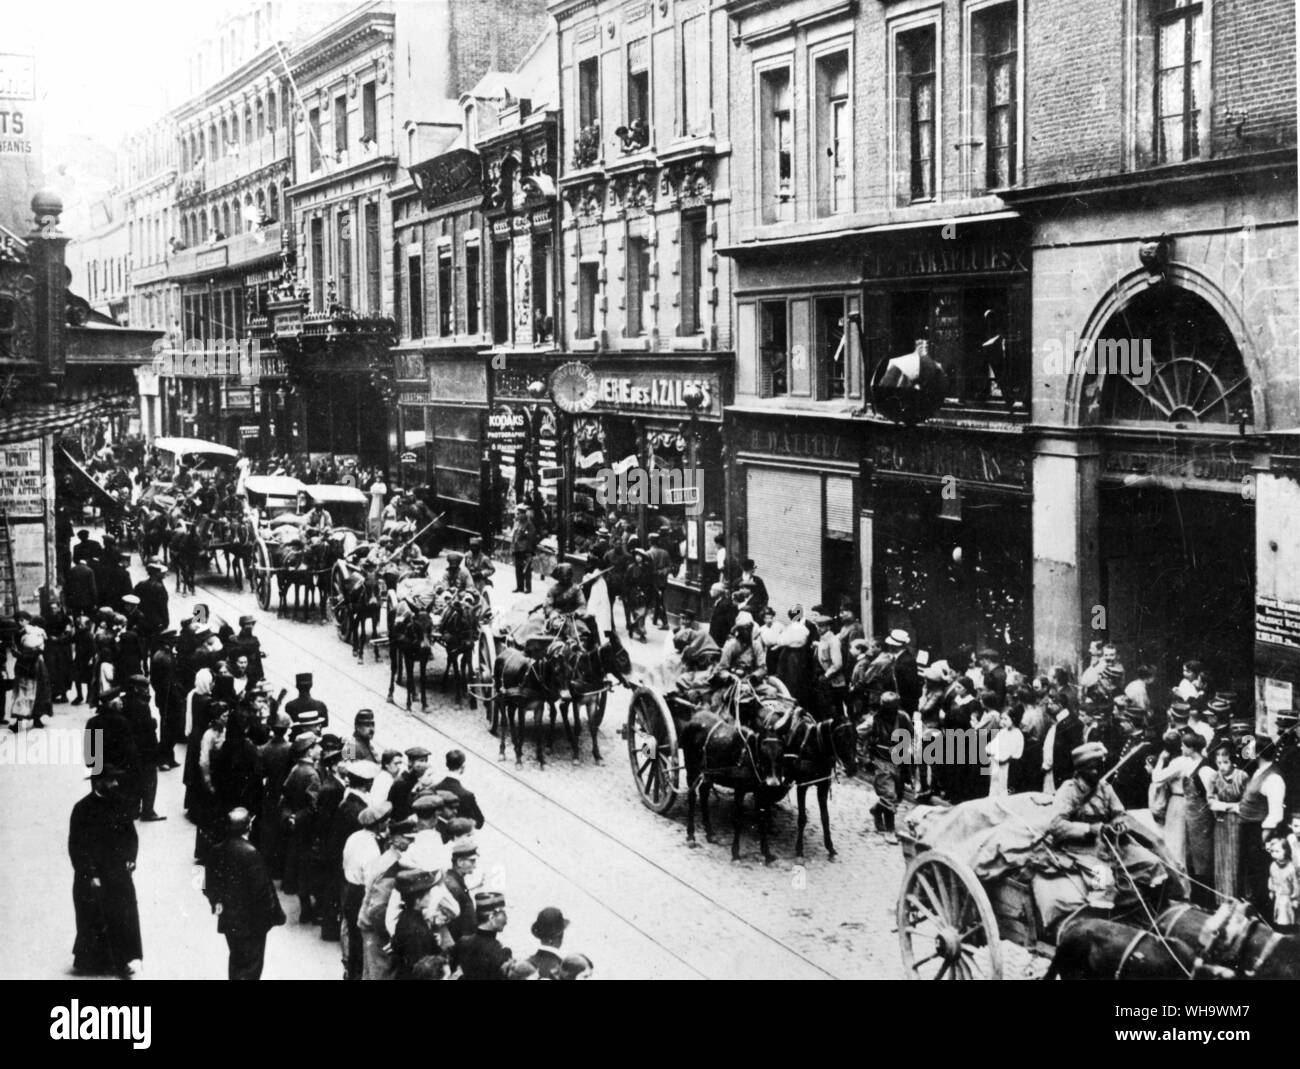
[[378, 847]]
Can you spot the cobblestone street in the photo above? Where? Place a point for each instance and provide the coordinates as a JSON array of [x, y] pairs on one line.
[[650, 907]]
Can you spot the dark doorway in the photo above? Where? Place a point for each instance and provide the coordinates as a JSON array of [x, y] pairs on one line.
[[1178, 581]]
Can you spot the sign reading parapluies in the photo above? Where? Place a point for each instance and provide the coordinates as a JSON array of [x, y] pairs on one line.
[[911, 388]]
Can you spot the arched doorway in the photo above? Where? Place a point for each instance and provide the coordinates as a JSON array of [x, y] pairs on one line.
[[1171, 397]]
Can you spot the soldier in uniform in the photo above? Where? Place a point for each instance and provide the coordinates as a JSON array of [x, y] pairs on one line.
[[152, 593], [361, 747], [305, 703], [115, 583], [565, 596], [1131, 775], [325, 868], [402, 792], [481, 956], [139, 718], [297, 802], [479, 564], [523, 541], [275, 760], [457, 578]]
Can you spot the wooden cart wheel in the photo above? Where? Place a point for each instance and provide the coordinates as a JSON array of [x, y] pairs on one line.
[[652, 750], [946, 926], [262, 577], [482, 658]]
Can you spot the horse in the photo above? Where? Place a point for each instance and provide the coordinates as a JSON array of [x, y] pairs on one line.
[[587, 664], [1093, 948], [155, 534], [322, 555], [456, 634], [721, 751], [187, 549], [291, 573], [364, 597], [1238, 938], [814, 748], [521, 684], [410, 638], [237, 543]]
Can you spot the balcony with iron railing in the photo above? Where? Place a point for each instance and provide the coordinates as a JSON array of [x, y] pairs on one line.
[[275, 146], [235, 251]]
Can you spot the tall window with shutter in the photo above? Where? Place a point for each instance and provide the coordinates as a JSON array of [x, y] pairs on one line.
[[473, 289], [695, 118], [915, 114], [694, 239], [638, 286], [776, 134], [345, 260], [317, 266], [994, 107], [373, 303], [638, 91], [313, 138], [368, 121], [834, 143], [500, 292], [340, 123], [446, 301], [415, 290], [588, 284]]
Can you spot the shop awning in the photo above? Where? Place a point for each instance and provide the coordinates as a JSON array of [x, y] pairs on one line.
[[100, 497], [24, 422]]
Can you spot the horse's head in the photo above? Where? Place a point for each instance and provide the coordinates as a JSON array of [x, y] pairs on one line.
[[614, 657], [770, 756], [844, 741]]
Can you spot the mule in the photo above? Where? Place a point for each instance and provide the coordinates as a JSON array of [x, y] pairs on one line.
[[238, 543], [456, 633], [410, 644], [1240, 940], [587, 665], [721, 751], [364, 596], [813, 750], [522, 684], [1093, 948]]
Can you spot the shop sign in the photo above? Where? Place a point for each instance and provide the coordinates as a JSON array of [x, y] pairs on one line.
[[146, 381], [457, 380], [659, 393], [507, 427], [948, 258], [574, 387], [1277, 622], [408, 458], [410, 366], [273, 367], [796, 444], [212, 257], [250, 430], [968, 462], [412, 397], [288, 324], [1187, 466], [22, 478], [239, 398]]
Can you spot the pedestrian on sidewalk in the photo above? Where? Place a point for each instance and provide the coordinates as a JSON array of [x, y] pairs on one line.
[[169, 698], [359, 775], [297, 803], [402, 793], [523, 542], [361, 747], [144, 732], [362, 850], [481, 956], [326, 867], [103, 846], [275, 759], [243, 898], [300, 706], [549, 930], [468, 804]]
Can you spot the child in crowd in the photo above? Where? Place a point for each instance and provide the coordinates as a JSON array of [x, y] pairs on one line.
[[1283, 885], [1007, 748]]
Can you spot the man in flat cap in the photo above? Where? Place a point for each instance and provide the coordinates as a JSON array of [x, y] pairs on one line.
[[102, 845], [250, 645], [243, 897], [305, 703], [358, 777], [1089, 819], [415, 937], [363, 848], [152, 592], [139, 717], [402, 793], [481, 956], [275, 760], [360, 747], [461, 880], [326, 865]]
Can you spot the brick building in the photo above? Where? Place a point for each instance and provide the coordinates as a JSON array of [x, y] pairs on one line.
[[646, 186], [1162, 208]]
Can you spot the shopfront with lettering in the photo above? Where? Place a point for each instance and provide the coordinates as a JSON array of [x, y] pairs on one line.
[[947, 522], [797, 493]]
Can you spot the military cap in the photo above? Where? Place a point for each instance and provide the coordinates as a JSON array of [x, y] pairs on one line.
[[1088, 754], [374, 814], [125, 558], [1179, 712], [454, 557], [247, 621], [363, 717], [303, 743], [415, 882], [417, 752], [302, 679], [488, 902]]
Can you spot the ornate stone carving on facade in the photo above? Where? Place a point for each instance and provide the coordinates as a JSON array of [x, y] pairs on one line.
[[352, 85], [688, 184], [585, 200], [633, 193]]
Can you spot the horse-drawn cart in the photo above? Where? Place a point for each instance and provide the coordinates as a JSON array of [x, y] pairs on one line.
[[983, 872]]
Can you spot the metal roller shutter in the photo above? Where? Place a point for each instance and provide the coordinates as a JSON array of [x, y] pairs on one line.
[[839, 506], [785, 535]]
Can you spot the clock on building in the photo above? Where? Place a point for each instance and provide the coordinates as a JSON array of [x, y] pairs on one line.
[[574, 387]]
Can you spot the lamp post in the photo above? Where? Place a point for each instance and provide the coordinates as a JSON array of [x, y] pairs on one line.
[[536, 390], [693, 398]]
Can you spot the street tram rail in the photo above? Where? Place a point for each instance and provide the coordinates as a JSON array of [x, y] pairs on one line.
[[272, 624]]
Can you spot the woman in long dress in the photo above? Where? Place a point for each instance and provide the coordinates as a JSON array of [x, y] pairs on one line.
[[1200, 819]]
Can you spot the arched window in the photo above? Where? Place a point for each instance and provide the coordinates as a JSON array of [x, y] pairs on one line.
[[261, 200], [212, 141], [216, 218], [270, 110], [248, 125], [225, 136], [185, 230], [273, 202], [1168, 358], [261, 119]]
